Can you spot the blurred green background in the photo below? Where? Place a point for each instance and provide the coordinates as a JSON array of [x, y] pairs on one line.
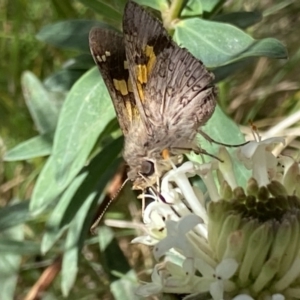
[[263, 90]]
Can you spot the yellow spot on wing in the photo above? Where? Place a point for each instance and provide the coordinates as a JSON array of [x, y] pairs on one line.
[[141, 73], [152, 58], [129, 85], [121, 86], [129, 110], [132, 111], [140, 91]]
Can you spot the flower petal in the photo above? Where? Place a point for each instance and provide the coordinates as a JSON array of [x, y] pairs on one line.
[[226, 268], [163, 246], [148, 289], [187, 223], [217, 290], [204, 268]]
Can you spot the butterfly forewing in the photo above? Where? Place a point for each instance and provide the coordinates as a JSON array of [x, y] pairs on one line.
[[145, 39], [107, 48]]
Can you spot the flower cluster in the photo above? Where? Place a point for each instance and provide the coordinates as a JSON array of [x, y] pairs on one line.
[[228, 240]]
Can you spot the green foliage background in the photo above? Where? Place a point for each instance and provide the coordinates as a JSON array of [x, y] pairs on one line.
[[60, 144]]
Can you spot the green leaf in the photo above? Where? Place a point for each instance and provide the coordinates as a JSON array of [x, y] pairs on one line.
[[63, 80], [125, 287], [123, 279], [73, 246], [109, 251], [224, 71], [104, 9], [85, 114], [209, 5], [241, 19], [78, 230], [159, 5], [13, 215], [71, 34], [9, 266], [42, 108], [46, 189], [55, 226], [223, 129], [35, 147], [217, 43], [80, 62], [78, 191], [19, 247], [73, 69], [192, 8]]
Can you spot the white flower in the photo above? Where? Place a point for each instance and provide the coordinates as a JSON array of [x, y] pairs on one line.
[[219, 277], [169, 278], [176, 236], [257, 156], [151, 288], [243, 241]]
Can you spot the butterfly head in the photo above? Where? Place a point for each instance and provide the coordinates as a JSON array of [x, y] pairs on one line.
[[142, 172], [148, 171]]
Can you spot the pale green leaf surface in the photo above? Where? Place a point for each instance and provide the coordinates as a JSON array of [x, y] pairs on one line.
[[209, 5], [192, 8], [224, 130], [80, 188], [70, 34], [79, 227], [9, 265], [63, 80], [37, 146], [125, 287], [54, 226], [7, 245], [42, 109], [156, 4], [45, 190], [73, 247], [217, 43], [13, 215], [84, 115]]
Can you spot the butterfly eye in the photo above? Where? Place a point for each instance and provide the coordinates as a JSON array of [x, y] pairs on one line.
[[147, 168]]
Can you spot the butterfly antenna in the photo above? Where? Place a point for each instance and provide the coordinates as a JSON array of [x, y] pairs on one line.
[[208, 138], [96, 223]]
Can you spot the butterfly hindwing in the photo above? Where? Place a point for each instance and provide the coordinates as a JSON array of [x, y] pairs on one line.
[[107, 48], [183, 87]]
